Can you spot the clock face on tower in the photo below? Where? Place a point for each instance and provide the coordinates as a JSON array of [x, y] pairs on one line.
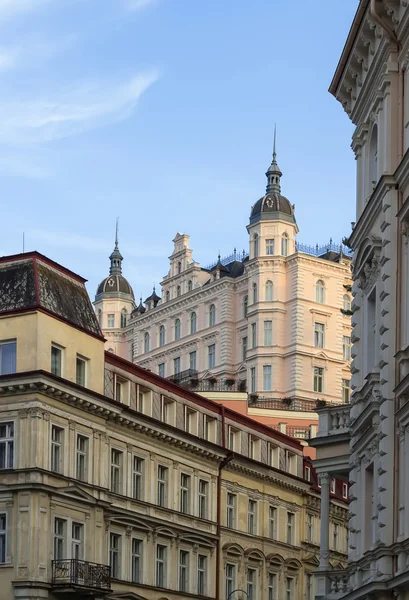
[[111, 282]]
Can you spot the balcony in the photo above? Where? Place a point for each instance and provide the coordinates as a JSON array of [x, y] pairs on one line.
[[332, 440], [81, 577], [331, 585]]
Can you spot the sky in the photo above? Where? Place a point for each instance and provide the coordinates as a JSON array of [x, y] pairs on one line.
[[161, 113]]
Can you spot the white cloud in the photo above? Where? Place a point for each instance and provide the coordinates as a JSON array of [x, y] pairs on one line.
[[71, 112], [11, 8], [139, 4]]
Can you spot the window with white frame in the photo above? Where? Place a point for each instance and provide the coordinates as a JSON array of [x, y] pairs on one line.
[[60, 539], [252, 517], [162, 490], [176, 366], [57, 449], [120, 389], [211, 356], [185, 487], [3, 538], [77, 541], [81, 370], [8, 353], [289, 588], [346, 390], [269, 291], [193, 322], [140, 405], [253, 380], [167, 410], [161, 369], [270, 247], [332, 486], [210, 428], [230, 580], [7, 445], [138, 464], [346, 347], [161, 565], [290, 528], [335, 536], [231, 503], [192, 360], [111, 320], [310, 528], [116, 471], [318, 379], [319, 329], [272, 522], [212, 315], [320, 291], [345, 491], [255, 293], [202, 575], [310, 587], [203, 498], [254, 447], [284, 245], [177, 329], [291, 462], [184, 571], [136, 560], [233, 439], [162, 336], [251, 584], [346, 303], [268, 333], [307, 473], [56, 360], [267, 372], [272, 586], [274, 452], [115, 548], [81, 467]]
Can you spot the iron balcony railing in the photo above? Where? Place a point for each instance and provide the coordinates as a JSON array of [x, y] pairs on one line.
[[215, 385], [81, 573], [294, 404]]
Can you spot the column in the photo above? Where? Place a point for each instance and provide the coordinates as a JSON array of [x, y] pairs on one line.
[[324, 479]]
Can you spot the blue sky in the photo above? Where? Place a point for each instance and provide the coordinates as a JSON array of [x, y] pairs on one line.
[[161, 113]]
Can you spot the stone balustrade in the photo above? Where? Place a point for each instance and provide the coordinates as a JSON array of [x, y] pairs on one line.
[[333, 420]]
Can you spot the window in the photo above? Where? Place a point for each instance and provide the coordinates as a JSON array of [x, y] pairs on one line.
[[245, 306], [291, 462], [273, 522], [252, 517], [233, 433], [212, 315], [189, 285], [274, 455], [162, 485], [345, 491], [161, 566], [253, 335], [111, 320], [346, 303], [203, 495], [190, 420], [307, 473], [60, 534], [320, 291], [267, 378], [56, 360], [254, 447], [335, 536], [289, 588], [251, 584], [256, 241], [268, 333], [193, 322], [255, 294], [115, 555], [269, 247], [162, 336], [178, 291], [179, 268], [346, 391], [210, 428], [176, 366], [244, 348], [183, 571], [57, 448], [3, 538], [124, 316], [269, 291], [332, 486], [319, 329], [7, 445], [137, 478], [318, 379], [8, 357], [310, 528], [231, 510], [284, 245], [167, 296], [136, 561], [346, 347], [81, 370], [272, 586], [201, 575], [177, 329], [166, 412], [290, 528], [116, 471], [253, 380], [310, 586], [146, 342], [230, 580], [118, 388], [161, 369], [82, 457], [212, 355], [192, 360], [77, 541], [100, 317], [185, 481]]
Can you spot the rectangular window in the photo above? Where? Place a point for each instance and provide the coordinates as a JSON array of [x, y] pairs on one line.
[[290, 528], [8, 352], [136, 561], [273, 522], [137, 478], [307, 474], [319, 329], [118, 389], [82, 457], [3, 538], [7, 445], [161, 552], [253, 335], [140, 402], [269, 247], [345, 491], [111, 320], [231, 511], [268, 333], [183, 571], [253, 380], [60, 536], [274, 455], [310, 586], [251, 584], [77, 541], [346, 347], [233, 439], [176, 366], [116, 471], [252, 517], [166, 412], [57, 449], [162, 485], [310, 528], [289, 588], [190, 420], [212, 355], [81, 370], [230, 586], [318, 379], [201, 575], [115, 555], [203, 498], [272, 586], [210, 428], [161, 369], [192, 361], [244, 348], [346, 391], [185, 481], [335, 536], [332, 486], [267, 378], [56, 360]]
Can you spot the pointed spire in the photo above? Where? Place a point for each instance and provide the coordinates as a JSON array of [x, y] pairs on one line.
[[116, 258], [273, 173]]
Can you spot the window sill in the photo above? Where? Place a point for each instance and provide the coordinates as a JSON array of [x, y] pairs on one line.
[[7, 565]]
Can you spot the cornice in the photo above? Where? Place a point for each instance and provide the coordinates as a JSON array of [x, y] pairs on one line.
[[268, 477]]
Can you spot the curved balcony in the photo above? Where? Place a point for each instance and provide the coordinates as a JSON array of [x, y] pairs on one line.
[[80, 576]]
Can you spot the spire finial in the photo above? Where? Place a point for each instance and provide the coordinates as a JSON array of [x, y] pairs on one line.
[[274, 145], [116, 233], [116, 257], [273, 173]]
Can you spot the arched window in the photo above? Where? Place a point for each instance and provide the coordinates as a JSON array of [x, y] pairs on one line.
[[147, 340], [193, 322], [255, 294], [178, 290], [179, 267], [245, 305], [269, 290], [256, 241], [320, 291], [100, 318], [177, 329], [162, 339], [189, 285], [373, 159], [167, 296], [346, 302], [284, 245], [124, 316], [212, 315]]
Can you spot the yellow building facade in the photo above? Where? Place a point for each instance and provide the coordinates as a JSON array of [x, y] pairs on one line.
[[116, 483]]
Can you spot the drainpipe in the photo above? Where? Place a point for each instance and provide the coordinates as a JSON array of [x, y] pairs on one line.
[[222, 465]]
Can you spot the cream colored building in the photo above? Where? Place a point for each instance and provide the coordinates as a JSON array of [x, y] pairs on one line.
[[116, 483]]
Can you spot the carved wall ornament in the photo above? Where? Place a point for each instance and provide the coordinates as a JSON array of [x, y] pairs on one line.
[[370, 272]]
